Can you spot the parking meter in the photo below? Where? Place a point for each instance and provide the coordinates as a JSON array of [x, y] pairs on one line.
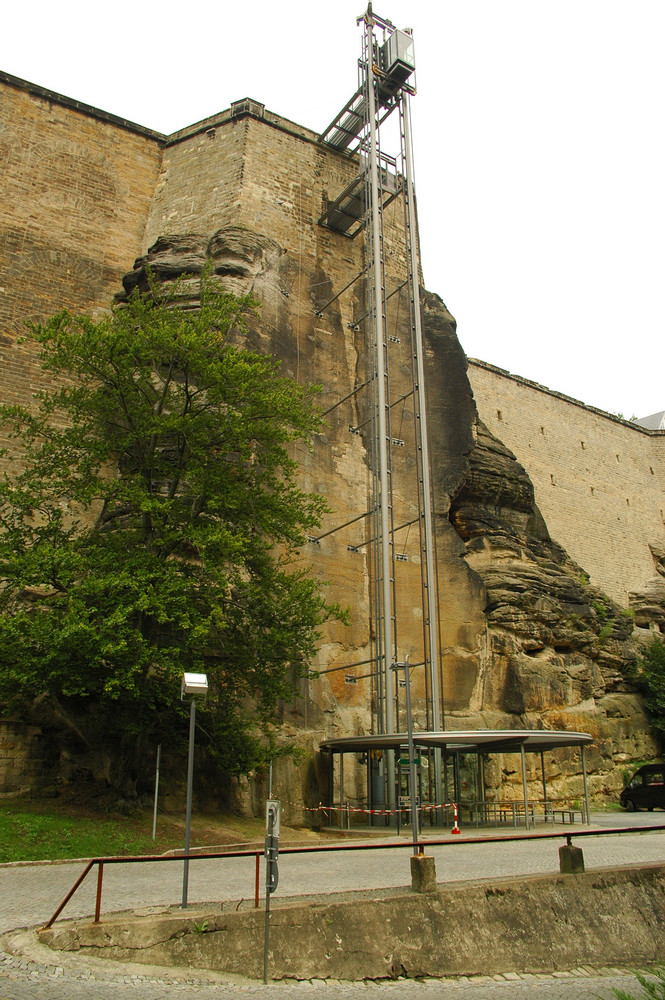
[[272, 844]]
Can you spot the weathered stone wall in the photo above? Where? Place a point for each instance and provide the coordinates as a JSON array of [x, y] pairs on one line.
[[269, 177], [26, 763], [75, 190], [532, 924], [599, 481]]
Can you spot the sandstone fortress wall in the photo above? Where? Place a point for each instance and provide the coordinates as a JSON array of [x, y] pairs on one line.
[[599, 480], [82, 194]]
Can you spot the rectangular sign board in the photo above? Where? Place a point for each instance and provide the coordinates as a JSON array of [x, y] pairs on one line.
[[273, 808]]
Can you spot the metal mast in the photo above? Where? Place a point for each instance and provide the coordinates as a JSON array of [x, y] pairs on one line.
[[385, 84], [385, 617], [428, 575]]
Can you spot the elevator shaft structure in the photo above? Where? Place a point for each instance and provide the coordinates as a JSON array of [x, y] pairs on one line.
[[386, 83]]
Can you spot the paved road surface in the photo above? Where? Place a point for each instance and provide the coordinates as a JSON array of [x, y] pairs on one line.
[[29, 894]]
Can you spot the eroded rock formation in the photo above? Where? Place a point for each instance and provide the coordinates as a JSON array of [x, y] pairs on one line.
[[529, 643], [648, 601], [558, 649]]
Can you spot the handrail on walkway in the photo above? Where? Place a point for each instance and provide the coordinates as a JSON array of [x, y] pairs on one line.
[[322, 849]]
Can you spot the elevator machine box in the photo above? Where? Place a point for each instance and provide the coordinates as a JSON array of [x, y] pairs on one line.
[[397, 61]]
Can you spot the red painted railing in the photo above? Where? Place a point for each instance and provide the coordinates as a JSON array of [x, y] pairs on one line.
[[322, 849]]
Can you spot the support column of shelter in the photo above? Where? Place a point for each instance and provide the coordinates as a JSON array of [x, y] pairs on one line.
[[586, 787], [524, 789]]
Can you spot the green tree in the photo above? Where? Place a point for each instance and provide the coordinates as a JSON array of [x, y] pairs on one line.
[[649, 675], [154, 528]]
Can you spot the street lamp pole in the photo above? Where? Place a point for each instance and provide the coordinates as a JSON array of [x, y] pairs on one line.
[[188, 813], [191, 684]]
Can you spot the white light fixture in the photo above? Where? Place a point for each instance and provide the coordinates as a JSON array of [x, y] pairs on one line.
[[196, 684]]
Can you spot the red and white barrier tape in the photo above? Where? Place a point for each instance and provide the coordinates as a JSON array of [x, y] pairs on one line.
[[429, 807]]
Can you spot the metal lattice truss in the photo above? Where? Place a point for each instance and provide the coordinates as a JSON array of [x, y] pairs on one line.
[[386, 78]]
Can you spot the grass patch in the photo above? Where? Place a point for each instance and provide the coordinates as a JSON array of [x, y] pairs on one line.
[[28, 835], [52, 830]]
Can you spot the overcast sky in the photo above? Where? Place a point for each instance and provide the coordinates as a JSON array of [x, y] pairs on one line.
[[538, 143]]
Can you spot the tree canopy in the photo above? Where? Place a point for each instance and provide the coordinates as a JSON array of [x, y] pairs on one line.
[[154, 529], [649, 676]]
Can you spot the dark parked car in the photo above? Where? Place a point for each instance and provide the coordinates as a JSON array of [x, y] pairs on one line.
[[646, 789]]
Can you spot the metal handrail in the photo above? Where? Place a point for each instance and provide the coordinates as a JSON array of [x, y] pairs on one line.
[[322, 849]]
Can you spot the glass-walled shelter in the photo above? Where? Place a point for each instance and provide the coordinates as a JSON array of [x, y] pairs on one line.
[[370, 778]]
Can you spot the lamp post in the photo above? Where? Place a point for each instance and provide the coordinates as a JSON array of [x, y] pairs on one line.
[[193, 684]]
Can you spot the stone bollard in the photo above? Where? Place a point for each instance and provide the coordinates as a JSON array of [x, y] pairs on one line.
[[571, 859], [423, 873]]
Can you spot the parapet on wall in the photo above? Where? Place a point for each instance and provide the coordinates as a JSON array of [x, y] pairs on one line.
[[599, 480]]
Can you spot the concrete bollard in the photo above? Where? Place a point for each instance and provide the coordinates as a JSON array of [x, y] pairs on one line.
[[423, 873], [571, 859]]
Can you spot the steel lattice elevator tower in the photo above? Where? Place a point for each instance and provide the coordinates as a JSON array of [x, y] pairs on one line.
[[386, 84]]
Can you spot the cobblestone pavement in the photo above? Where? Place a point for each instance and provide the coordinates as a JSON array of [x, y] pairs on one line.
[[28, 979], [30, 893]]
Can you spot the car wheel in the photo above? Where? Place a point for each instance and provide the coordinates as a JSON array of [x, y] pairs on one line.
[[650, 808], [630, 806]]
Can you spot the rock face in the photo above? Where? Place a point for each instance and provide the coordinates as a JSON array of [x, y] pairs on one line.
[[528, 642], [236, 256], [557, 648], [648, 602]]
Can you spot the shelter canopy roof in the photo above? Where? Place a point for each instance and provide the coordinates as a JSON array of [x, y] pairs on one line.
[[465, 740]]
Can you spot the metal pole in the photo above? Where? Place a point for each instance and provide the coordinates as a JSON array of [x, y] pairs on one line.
[[257, 876], [188, 815], [98, 901], [526, 799], [374, 270], [481, 770], [154, 813], [266, 932], [432, 611], [412, 763], [586, 787], [69, 895]]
